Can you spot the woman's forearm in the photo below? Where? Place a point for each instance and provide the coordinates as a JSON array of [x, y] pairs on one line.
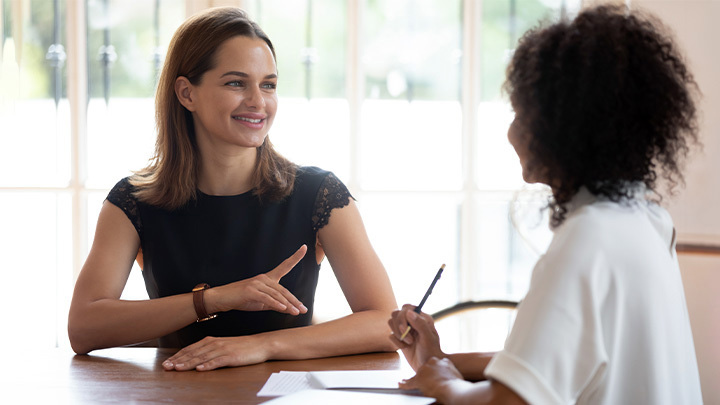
[[471, 365], [111, 322], [361, 332], [461, 392]]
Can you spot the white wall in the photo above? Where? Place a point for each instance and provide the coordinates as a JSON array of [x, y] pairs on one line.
[[696, 210]]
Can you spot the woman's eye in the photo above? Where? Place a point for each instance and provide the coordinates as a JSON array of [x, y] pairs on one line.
[[234, 83], [270, 86]]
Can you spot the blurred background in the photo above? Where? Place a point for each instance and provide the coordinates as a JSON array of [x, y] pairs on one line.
[[401, 99]]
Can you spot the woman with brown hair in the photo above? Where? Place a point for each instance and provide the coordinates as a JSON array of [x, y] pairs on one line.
[[228, 233]]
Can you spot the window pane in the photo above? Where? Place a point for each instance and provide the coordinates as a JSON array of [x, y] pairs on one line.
[[313, 122], [412, 49], [411, 146], [34, 140], [117, 144], [414, 233], [496, 164], [29, 30], [309, 39], [284, 21], [327, 49], [503, 23], [124, 47], [35, 244], [510, 234], [476, 330], [125, 50], [314, 132], [35, 152]]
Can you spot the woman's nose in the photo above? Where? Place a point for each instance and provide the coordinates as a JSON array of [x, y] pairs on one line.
[[255, 98]]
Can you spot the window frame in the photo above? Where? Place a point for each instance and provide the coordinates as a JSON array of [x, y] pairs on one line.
[[470, 100]]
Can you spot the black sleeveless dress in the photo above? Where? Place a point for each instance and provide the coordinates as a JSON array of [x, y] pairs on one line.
[[222, 239]]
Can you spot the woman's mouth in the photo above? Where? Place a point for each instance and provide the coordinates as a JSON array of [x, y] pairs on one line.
[[250, 120], [254, 122]]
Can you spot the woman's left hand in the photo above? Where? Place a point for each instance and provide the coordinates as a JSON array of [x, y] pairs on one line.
[[212, 352], [434, 378]]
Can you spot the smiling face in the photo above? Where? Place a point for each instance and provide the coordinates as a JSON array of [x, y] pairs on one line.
[[234, 104]]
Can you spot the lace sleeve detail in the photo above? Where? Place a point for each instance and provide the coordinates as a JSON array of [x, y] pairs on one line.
[[332, 194], [122, 196]]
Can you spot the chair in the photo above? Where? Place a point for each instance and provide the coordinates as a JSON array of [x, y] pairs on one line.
[[473, 305], [475, 326]]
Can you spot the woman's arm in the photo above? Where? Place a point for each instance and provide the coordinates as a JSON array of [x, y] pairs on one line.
[[440, 379], [366, 286], [471, 365], [99, 319], [363, 280]]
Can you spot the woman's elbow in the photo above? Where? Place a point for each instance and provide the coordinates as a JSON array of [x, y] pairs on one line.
[[79, 349], [78, 336], [77, 344]]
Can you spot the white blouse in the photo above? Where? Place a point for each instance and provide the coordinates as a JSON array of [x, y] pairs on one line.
[[605, 319]]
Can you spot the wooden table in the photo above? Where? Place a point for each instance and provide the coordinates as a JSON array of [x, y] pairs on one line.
[[133, 375]]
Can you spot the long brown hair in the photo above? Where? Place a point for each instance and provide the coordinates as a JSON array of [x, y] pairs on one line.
[[170, 180]]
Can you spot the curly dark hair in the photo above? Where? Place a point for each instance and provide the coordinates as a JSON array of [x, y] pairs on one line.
[[607, 100]]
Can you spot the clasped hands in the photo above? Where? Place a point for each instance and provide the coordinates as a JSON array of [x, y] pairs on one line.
[[260, 293]]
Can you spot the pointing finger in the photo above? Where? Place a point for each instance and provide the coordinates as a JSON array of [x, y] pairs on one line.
[[284, 268]]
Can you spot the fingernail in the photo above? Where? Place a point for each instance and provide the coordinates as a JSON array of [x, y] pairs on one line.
[[303, 307], [179, 365], [167, 364], [201, 367]]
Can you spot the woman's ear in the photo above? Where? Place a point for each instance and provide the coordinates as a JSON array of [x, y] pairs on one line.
[[183, 91]]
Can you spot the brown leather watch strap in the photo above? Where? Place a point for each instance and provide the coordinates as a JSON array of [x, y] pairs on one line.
[[199, 302]]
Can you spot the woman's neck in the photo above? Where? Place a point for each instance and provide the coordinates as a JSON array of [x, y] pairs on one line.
[[227, 173]]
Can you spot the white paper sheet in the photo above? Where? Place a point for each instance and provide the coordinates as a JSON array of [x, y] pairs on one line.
[[314, 397], [349, 379], [285, 382]]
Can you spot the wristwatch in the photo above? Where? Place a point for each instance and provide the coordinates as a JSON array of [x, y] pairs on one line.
[[199, 302]]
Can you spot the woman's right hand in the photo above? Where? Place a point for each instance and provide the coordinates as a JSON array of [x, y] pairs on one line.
[[260, 293], [422, 342]]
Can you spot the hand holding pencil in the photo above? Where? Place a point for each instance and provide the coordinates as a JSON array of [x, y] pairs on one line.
[[424, 342], [425, 297]]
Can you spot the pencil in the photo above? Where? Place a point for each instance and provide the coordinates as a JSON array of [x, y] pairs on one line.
[[425, 297]]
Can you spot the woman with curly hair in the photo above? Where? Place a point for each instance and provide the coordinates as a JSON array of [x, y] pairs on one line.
[[604, 108]]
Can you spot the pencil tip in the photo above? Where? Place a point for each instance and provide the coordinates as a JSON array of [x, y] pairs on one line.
[[443, 266]]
